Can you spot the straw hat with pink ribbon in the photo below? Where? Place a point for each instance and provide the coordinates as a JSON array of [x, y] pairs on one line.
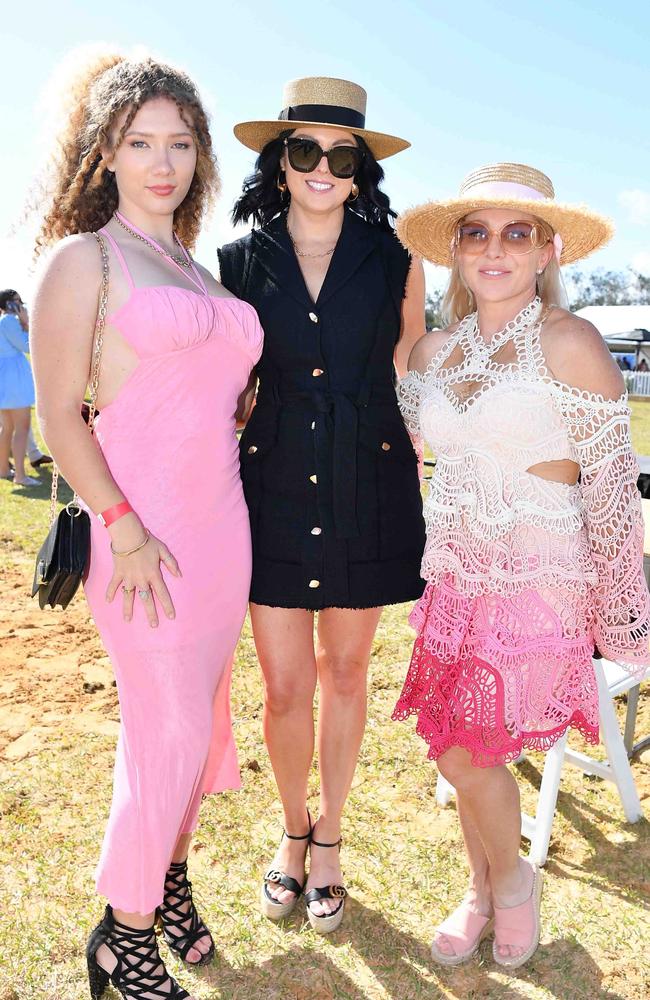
[[428, 230]]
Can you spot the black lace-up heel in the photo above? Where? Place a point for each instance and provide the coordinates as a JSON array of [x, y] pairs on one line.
[[139, 969], [182, 926]]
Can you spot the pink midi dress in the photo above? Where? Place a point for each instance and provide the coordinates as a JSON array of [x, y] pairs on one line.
[[169, 440], [524, 575]]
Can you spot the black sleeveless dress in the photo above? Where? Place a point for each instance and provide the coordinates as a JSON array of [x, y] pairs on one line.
[[329, 472]]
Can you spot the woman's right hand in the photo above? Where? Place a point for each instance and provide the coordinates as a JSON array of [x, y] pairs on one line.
[[139, 574]]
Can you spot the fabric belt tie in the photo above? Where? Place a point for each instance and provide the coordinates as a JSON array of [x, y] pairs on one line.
[[342, 409]]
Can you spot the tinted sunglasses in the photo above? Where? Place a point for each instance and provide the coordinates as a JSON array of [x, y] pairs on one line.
[[514, 237], [305, 155]]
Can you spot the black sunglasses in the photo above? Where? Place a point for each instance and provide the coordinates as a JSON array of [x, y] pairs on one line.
[[305, 155]]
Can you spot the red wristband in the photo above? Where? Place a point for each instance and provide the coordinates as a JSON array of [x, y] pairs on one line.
[[112, 514]]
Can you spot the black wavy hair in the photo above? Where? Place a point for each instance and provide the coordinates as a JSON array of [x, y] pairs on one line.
[[7, 295], [262, 200]]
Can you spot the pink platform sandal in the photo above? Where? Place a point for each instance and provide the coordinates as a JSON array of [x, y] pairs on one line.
[[465, 928], [519, 926]]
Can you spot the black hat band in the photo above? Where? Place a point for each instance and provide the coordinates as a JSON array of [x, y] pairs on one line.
[[328, 114]]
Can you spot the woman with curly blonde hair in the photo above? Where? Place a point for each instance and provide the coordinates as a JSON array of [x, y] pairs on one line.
[[135, 168]]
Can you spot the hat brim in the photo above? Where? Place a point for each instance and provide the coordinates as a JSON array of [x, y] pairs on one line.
[[427, 230], [255, 135]]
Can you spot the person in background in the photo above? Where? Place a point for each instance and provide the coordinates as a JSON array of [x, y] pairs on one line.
[[16, 388]]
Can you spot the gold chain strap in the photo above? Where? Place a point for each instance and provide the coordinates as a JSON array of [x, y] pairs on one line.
[[93, 384]]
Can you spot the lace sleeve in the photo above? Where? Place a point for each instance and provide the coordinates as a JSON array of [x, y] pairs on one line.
[[600, 430], [409, 393]]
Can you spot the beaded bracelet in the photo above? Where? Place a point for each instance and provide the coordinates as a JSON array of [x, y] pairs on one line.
[[130, 552]]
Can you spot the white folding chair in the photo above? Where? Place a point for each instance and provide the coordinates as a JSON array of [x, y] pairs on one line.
[[612, 680]]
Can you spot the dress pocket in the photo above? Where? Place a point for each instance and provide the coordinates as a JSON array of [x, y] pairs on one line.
[[399, 504]]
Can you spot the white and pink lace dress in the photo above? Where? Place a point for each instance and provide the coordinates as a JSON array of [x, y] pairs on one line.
[[524, 574]]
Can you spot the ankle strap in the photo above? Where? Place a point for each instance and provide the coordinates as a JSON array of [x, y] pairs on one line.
[[320, 843], [305, 836], [290, 836]]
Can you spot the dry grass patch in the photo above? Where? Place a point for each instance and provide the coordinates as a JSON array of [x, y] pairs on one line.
[[402, 854]]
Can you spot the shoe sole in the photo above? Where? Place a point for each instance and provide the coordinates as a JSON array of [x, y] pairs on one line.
[[326, 925], [275, 911], [515, 963], [443, 959]]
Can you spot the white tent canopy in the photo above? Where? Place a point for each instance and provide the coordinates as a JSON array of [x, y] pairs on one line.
[[617, 320]]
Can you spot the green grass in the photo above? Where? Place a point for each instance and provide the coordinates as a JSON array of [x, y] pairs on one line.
[[402, 854]]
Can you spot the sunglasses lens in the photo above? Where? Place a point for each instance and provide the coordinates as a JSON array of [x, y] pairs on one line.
[[518, 237], [304, 154], [344, 160], [473, 237]]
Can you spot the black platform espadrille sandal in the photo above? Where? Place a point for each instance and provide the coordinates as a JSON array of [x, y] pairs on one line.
[[139, 970], [270, 907], [329, 922], [181, 925]]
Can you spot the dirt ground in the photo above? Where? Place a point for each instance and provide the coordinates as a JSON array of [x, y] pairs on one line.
[[54, 673]]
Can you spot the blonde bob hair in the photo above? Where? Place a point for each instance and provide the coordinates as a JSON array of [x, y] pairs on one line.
[[459, 301]]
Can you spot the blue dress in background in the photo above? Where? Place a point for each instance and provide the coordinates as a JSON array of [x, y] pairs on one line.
[[16, 382]]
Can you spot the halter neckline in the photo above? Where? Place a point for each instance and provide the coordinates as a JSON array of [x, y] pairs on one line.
[[196, 279]]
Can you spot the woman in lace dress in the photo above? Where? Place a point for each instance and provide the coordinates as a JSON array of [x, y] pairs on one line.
[[534, 551]]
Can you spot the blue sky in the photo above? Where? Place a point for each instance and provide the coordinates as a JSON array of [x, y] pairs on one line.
[[561, 85]]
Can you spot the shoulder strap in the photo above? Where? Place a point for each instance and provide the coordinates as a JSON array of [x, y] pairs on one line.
[[95, 365], [118, 253]]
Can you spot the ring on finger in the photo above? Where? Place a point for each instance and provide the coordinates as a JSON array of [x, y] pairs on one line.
[[144, 594], [127, 590]]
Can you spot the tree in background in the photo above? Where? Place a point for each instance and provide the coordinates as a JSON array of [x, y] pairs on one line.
[[593, 288], [433, 310], [607, 288]]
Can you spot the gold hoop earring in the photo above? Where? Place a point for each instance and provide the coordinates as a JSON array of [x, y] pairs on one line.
[[354, 192], [281, 185]]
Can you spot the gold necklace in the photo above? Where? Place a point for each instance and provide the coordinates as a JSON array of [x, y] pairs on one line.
[[182, 261], [302, 253]]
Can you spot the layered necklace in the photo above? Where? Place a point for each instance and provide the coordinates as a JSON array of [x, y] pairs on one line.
[[303, 253], [181, 260]]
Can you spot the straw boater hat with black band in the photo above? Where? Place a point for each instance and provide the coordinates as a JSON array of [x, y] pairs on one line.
[[316, 101], [428, 230]]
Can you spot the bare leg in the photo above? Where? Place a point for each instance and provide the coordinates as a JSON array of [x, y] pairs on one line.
[[478, 896], [284, 639], [6, 434], [490, 796], [19, 442], [204, 943], [344, 643]]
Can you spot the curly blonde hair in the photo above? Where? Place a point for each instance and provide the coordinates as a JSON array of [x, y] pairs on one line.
[[82, 192]]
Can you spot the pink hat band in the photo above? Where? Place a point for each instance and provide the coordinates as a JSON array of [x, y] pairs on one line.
[[502, 189]]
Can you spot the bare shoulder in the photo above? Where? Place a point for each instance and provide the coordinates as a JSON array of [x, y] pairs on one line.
[[428, 346], [576, 353], [75, 259], [67, 289]]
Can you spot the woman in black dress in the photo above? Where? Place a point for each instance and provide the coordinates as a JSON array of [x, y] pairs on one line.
[[329, 471]]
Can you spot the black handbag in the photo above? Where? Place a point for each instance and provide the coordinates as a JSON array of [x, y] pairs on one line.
[[63, 557]]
